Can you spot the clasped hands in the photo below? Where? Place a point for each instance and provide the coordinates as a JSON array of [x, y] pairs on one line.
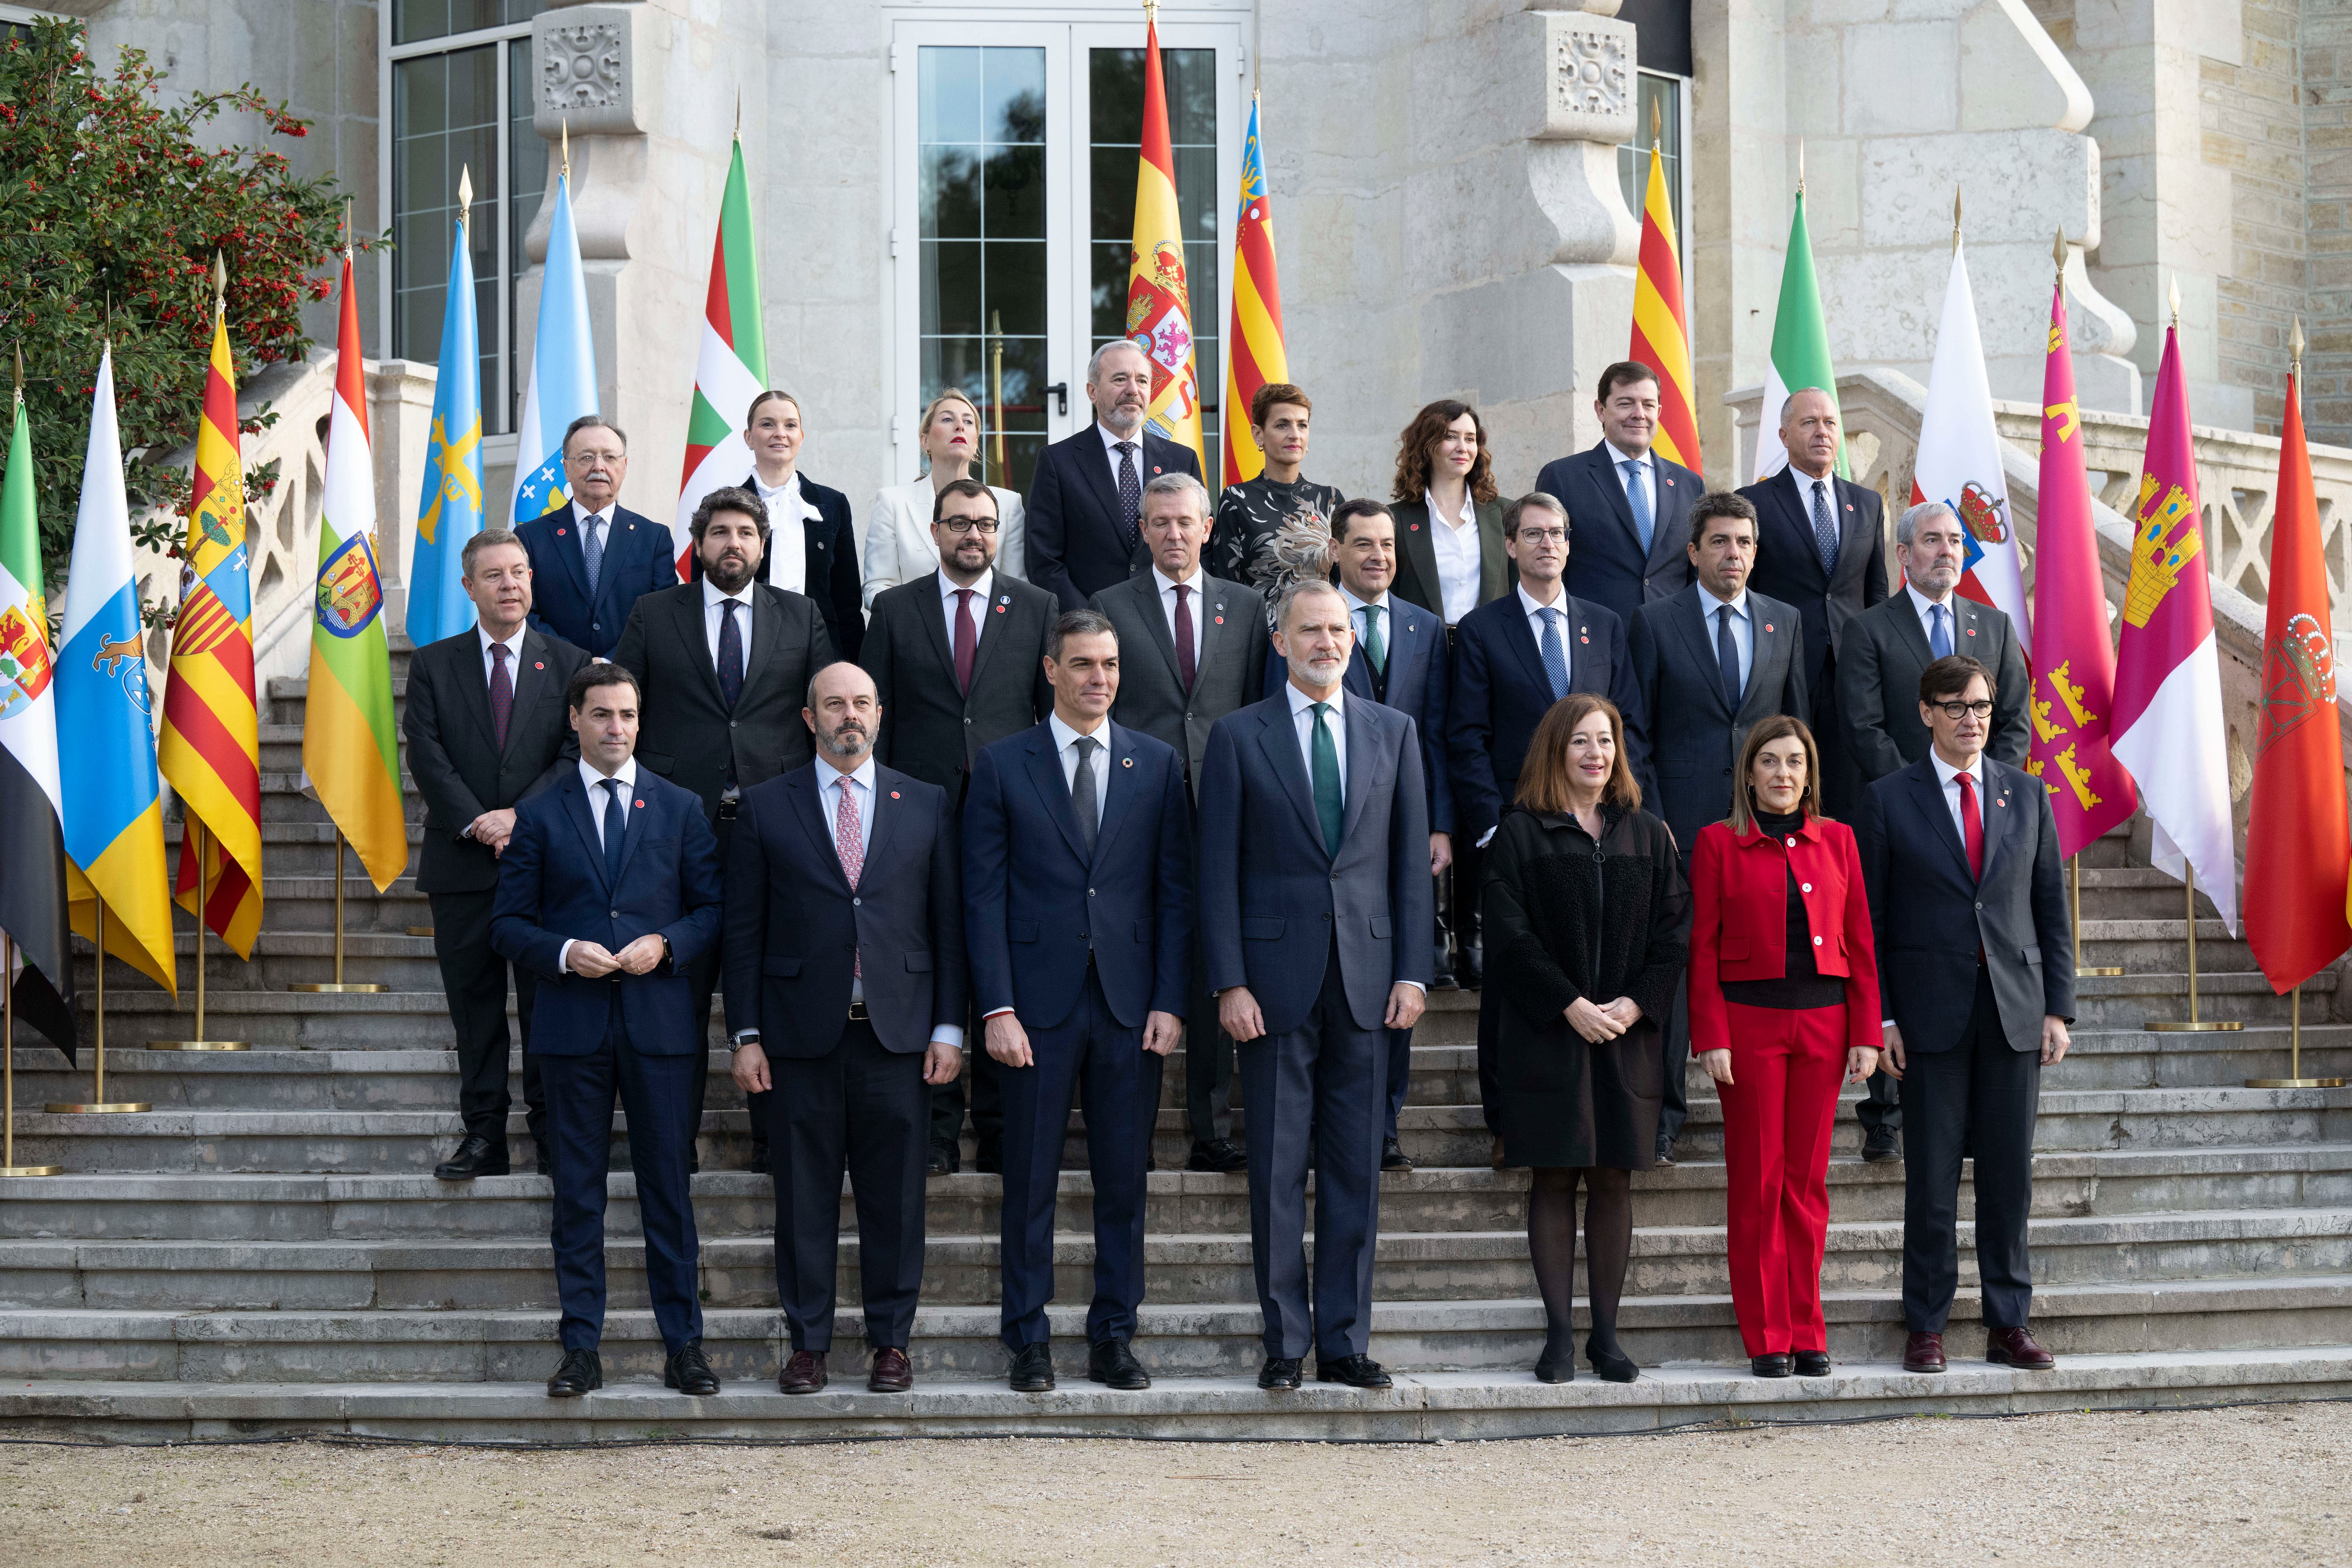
[[592, 960], [1603, 1023]]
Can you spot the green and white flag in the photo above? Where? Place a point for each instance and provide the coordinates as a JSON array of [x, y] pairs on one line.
[[732, 367], [1801, 348]]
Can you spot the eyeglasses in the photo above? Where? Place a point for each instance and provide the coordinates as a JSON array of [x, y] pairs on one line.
[[1543, 535], [1981, 709], [969, 524]]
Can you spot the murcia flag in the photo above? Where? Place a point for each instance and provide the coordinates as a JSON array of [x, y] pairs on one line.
[[1158, 302]]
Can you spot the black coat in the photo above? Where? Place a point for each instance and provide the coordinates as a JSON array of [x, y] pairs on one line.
[[930, 729], [454, 756], [1076, 545], [1789, 565], [1565, 918], [1879, 664], [831, 546]]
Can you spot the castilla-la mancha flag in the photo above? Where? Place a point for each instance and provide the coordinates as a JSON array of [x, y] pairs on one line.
[[1158, 302], [2299, 842]]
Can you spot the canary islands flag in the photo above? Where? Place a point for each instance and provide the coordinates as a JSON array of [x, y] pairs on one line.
[[561, 386], [449, 512]]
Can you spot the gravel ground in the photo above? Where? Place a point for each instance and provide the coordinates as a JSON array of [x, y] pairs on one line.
[[2216, 1488]]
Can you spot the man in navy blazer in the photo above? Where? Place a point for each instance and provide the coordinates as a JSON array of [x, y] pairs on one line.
[[1316, 911], [591, 557], [608, 891], [846, 988], [1085, 510], [1077, 890], [1631, 505]]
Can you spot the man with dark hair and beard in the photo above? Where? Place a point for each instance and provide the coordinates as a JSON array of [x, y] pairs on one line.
[[730, 659]]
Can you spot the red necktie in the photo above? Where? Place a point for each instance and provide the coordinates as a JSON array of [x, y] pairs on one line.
[[1971, 826], [1184, 665], [966, 640]]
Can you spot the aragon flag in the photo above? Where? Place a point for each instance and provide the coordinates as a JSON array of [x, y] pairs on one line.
[[1254, 353], [731, 367], [1159, 303]]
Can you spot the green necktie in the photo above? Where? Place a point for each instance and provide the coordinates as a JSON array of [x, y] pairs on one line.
[[1328, 804], [1376, 647]]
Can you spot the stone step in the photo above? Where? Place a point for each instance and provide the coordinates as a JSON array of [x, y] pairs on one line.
[[2161, 946], [282, 799], [307, 903], [287, 698], [281, 958], [295, 849], [2137, 893], [2133, 1000]]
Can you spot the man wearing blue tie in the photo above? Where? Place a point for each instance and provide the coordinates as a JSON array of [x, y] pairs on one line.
[[591, 557], [1632, 505]]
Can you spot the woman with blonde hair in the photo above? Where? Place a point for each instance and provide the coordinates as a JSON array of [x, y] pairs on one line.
[[898, 544], [812, 543]]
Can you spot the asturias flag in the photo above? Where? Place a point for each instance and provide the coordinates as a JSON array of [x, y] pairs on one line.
[[1255, 354], [1959, 458], [1661, 331], [1159, 304], [449, 510], [1800, 347], [561, 386], [731, 369]]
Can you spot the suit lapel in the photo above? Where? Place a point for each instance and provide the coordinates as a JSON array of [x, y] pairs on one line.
[[1530, 651], [984, 610], [473, 685], [886, 810], [1771, 642], [1278, 737], [1209, 610], [1853, 524], [1094, 461], [1669, 507], [767, 638], [1999, 807], [1362, 761], [931, 610], [1797, 515], [577, 807], [1119, 787], [570, 549], [686, 619], [634, 804], [1912, 636], [1929, 791], [1601, 467], [808, 809], [1054, 790], [1146, 589], [1693, 627], [1494, 565], [1414, 540]]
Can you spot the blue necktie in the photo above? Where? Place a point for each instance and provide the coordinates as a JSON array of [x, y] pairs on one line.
[[730, 653], [1726, 656], [1825, 536], [1555, 655], [1637, 495], [616, 821], [591, 551], [1939, 639]]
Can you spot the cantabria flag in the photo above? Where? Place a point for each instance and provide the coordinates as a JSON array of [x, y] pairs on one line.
[[732, 368], [1800, 347], [1959, 458]]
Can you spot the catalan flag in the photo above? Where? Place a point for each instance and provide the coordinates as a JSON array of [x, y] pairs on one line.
[[211, 745], [1159, 303], [1660, 329], [1255, 355]]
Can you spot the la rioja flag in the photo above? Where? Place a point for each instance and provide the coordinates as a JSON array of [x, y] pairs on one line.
[[1959, 458]]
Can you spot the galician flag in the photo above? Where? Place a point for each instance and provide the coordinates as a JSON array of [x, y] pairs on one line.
[[1800, 347], [2168, 725], [1254, 353], [1661, 331], [561, 386], [449, 509], [731, 368], [1158, 306], [350, 755], [1959, 458]]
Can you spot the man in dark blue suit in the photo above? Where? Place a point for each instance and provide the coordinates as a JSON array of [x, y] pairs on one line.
[[591, 557], [1316, 911], [1631, 505], [845, 995], [608, 891], [1078, 905], [1085, 511]]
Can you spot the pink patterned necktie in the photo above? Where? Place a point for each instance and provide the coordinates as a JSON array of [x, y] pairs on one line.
[[845, 843]]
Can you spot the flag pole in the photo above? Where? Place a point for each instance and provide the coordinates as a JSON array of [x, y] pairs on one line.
[[9, 1167], [2194, 1026], [337, 986], [204, 899], [996, 332], [97, 1104], [2081, 970]]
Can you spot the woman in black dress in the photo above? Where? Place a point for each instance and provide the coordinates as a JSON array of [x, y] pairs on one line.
[[1587, 922]]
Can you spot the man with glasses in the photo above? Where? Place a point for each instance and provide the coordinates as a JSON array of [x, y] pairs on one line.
[[958, 662], [591, 557]]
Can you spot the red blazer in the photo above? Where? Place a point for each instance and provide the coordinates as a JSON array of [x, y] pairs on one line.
[[1740, 920]]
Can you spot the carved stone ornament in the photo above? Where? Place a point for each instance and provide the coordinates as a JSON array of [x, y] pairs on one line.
[[1591, 75], [580, 66]]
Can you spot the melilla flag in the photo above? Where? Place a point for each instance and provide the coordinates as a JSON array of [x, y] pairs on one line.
[[1660, 329], [1255, 355], [32, 824], [106, 777], [210, 749], [1800, 347], [349, 755], [731, 369], [2167, 726], [2298, 842], [2074, 676], [1159, 308], [561, 386], [1959, 458], [449, 509]]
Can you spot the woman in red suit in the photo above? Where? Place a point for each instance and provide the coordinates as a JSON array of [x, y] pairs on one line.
[[1783, 1008]]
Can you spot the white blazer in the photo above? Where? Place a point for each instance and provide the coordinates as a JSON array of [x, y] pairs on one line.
[[898, 544]]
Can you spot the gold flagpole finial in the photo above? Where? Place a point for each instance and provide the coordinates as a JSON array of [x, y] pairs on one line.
[[1956, 218], [465, 190], [739, 114], [1801, 165], [2058, 251], [567, 148], [2294, 348], [2176, 301], [347, 228], [220, 282], [1150, 12], [1654, 132]]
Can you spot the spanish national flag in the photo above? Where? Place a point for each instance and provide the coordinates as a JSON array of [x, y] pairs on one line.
[[1158, 298]]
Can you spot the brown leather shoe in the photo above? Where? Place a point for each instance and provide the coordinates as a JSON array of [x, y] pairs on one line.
[[2016, 1347], [1924, 1352], [805, 1373], [891, 1374], [1495, 1156]]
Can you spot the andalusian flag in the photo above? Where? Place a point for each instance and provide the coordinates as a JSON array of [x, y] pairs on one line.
[[211, 745], [733, 366], [449, 508], [1159, 308], [1800, 347], [1255, 355], [350, 757], [1661, 331]]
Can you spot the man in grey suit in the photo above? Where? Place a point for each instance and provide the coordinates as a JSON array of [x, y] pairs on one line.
[[1316, 915], [1196, 649], [1710, 661], [1887, 650]]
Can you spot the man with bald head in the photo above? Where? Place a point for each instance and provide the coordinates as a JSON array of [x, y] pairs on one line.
[[1086, 502], [1820, 546]]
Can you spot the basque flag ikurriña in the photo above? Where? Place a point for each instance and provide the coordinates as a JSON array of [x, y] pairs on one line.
[[731, 367]]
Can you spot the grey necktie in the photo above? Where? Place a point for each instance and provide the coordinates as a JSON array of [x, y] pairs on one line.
[[591, 549], [1082, 792], [1826, 538]]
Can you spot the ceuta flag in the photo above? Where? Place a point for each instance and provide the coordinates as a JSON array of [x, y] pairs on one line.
[[2168, 725], [2074, 678], [2299, 842], [1959, 458], [731, 367], [1158, 306]]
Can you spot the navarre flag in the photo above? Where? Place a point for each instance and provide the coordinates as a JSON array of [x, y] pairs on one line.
[[561, 386], [2074, 674], [210, 749], [1662, 331], [32, 821], [450, 511], [1959, 458], [351, 759], [731, 367], [2168, 725], [1801, 348], [1255, 354], [2299, 840], [1159, 304], [107, 784]]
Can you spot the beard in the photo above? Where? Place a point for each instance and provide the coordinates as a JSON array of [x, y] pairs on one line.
[[729, 572], [849, 742]]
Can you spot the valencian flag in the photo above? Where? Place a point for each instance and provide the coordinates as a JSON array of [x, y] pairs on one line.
[[2074, 672], [2298, 843], [561, 386], [106, 777], [211, 746], [1959, 458], [731, 367], [1158, 306], [1800, 346], [349, 755], [32, 824], [449, 509], [1660, 329], [1255, 355], [2167, 726]]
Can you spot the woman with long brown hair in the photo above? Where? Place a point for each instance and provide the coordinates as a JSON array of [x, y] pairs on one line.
[[1449, 514], [1783, 1008], [1584, 904]]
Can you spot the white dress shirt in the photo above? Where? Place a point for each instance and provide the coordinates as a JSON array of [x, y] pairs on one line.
[[1743, 626], [1168, 587], [950, 604], [714, 618], [1456, 540], [1065, 747], [513, 646], [1925, 608], [1111, 451], [1945, 776], [597, 796], [828, 796], [787, 538]]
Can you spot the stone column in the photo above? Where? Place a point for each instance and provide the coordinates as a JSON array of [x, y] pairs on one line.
[[400, 429]]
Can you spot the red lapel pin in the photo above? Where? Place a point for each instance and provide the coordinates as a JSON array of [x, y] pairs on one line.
[[641, 805], [1413, 527], [559, 533], [1220, 620], [1768, 625], [1972, 631], [1849, 506], [537, 665], [894, 795], [1670, 481], [1155, 468], [1000, 609], [1584, 639]]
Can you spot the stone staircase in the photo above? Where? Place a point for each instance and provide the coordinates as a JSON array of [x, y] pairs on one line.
[[267, 1250]]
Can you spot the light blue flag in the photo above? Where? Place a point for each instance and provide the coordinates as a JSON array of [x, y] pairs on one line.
[[561, 386], [449, 512]]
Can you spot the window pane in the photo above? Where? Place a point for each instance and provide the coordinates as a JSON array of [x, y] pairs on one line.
[[1016, 192], [442, 109], [1663, 93], [1014, 85], [949, 95], [415, 20], [526, 162], [950, 200]]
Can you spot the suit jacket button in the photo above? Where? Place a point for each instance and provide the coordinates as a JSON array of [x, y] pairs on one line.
[[612, 914], [967, 720], [1090, 892], [857, 900], [1817, 941], [1979, 906]]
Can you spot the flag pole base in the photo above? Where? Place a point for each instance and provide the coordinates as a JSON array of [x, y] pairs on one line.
[[315, 989], [32, 1169], [96, 1108], [2202, 1027], [2295, 1083], [2097, 971], [420, 931], [192, 1046]]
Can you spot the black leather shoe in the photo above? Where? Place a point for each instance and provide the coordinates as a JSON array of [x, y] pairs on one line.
[[1665, 1152], [582, 1371], [1812, 1363], [1033, 1369], [1392, 1156], [1470, 966], [1113, 1363], [758, 1165], [1221, 1155], [1769, 1365], [1609, 1364], [1878, 1146], [476, 1156], [546, 1165], [1279, 1372], [689, 1373], [1355, 1370], [941, 1164], [988, 1159]]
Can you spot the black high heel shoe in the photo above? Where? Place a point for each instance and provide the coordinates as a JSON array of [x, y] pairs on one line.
[[1558, 1362], [1611, 1366]]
